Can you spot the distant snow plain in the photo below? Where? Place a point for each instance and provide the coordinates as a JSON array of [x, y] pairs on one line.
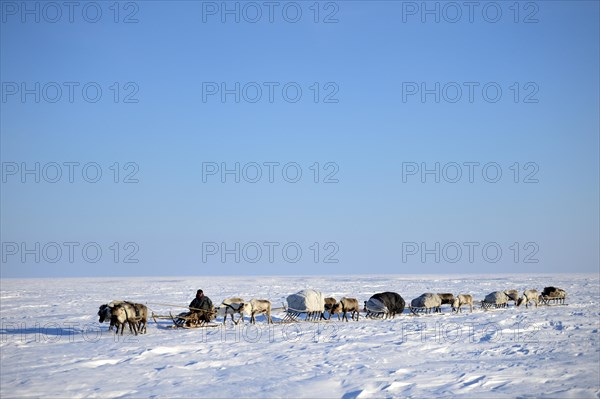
[[53, 346]]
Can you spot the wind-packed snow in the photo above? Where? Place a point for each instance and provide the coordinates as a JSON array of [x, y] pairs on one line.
[[53, 346]]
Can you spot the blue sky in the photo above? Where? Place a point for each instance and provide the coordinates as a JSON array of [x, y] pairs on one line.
[[370, 220]]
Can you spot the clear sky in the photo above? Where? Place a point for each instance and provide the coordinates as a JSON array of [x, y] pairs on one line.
[[388, 89]]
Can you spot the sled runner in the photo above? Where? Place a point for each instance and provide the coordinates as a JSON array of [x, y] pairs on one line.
[[550, 300], [416, 310]]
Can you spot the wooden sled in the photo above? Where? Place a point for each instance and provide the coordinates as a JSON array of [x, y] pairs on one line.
[[417, 311], [375, 315], [190, 322], [551, 301], [380, 315], [488, 306], [295, 316]]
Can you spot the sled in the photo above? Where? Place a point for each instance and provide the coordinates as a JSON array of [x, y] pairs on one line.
[[378, 313], [487, 305], [190, 322], [306, 305], [550, 300], [294, 316], [422, 310], [381, 314], [375, 315], [177, 324]]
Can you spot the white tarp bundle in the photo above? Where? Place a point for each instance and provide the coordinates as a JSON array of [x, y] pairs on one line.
[[376, 306], [427, 300], [496, 298], [307, 301]]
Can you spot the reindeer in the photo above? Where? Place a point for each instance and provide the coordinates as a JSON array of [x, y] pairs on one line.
[[231, 306], [329, 303], [513, 295], [344, 306], [258, 306], [124, 313], [529, 296], [119, 313], [462, 299]]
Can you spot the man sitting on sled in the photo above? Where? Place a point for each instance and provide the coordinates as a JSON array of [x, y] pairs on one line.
[[201, 311]]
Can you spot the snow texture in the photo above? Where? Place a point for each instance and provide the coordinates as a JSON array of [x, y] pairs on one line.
[[53, 346]]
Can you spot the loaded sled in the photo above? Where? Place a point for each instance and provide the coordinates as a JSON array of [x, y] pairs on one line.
[[306, 305], [193, 320], [196, 318], [553, 296]]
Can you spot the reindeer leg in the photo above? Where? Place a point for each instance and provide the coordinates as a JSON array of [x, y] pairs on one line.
[[132, 326]]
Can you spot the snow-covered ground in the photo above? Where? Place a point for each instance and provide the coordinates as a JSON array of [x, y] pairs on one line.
[[53, 346]]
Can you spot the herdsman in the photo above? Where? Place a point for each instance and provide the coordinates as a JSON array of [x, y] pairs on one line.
[[202, 305], [201, 310]]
